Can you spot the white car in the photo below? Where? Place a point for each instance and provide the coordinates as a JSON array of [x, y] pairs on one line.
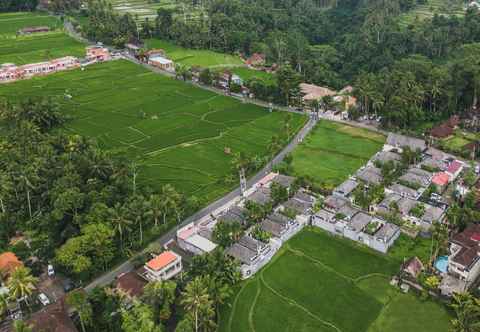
[[477, 169], [50, 270], [43, 299]]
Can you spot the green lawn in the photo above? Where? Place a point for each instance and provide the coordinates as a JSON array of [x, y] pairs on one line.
[[177, 133], [247, 73], [193, 57], [36, 47], [333, 151], [318, 282]]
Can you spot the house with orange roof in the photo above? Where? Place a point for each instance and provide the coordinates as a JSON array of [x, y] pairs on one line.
[[163, 267], [440, 181], [8, 263]]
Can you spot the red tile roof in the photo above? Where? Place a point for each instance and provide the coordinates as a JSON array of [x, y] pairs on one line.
[[131, 283], [469, 243], [441, 179], [454, 167], [441, 131], [9, 262], [162, 260]]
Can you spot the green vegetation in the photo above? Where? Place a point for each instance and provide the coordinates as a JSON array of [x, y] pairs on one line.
[[248, 74], [333, 151], [177, 133], [36, 47], [193, 57], [431, 7], [322, 283]]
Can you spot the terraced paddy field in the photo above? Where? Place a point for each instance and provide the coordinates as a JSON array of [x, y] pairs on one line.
[[142, 9], [192, 57], [176, 132], [36, 47], [432, 7], [332, 152], [321, 283]]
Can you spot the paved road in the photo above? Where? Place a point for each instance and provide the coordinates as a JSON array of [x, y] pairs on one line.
[[127, 266]]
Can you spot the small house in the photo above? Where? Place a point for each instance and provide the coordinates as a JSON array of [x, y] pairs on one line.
[[98, 53], [131, 284], [31, 30], [413, 267], [162, 63], [399, 142], [188, 239], [256, 60], [440, 181], [370, 175], [454, 169], [346, 188], [163, 267]]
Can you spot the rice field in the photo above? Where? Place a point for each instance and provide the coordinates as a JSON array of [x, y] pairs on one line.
[[320, 283], [193, 57], [432, 7], [332, 152], [176, 133], [142, 9], [37, 47]]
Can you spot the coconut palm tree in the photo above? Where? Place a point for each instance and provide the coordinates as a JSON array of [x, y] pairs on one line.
[[171, 199], [21, 326], [78, 300], [121, 221], [273, 147], [155, 208], [196, 301], [3, 304], [21, 284], [467, 312]]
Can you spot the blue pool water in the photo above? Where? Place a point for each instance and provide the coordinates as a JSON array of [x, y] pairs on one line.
[[441, 264]]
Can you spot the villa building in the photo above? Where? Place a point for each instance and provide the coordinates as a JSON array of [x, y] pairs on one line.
[[189, 239], [163, 267], [464, 258], [162, 63], [98, 53]]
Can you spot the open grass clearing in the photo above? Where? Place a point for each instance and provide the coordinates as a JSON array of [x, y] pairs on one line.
[[193, 57], [432, 7], [332, 152], [318, 282], [37, 47], [176, 132]]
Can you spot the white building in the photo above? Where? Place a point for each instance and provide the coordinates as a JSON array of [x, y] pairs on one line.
[[162, 63], [188, 239], [163, 267]]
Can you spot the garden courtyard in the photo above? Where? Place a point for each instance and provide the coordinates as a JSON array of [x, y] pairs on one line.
[[37, 47], [321, 283], [333, 151], [176, 133]]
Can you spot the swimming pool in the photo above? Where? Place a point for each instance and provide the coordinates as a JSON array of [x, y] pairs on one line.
[[442, 264]]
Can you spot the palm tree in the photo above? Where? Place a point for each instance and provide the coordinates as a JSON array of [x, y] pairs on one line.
[[273, 147], [467, 312], [218, 291], [155, 204], [21, 284], [3, 304], [171, 200], [6, 187], [121, 221], [160, 295], [196, 301], [79, 301], [21, 326]]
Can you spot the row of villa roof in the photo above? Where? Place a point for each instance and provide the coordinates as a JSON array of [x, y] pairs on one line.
[[10, 72]]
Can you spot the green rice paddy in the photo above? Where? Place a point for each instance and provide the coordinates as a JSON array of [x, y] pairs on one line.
[[193, 57], [432, 7], [321, 283], [332, 152], [36, 47], [176, 132]]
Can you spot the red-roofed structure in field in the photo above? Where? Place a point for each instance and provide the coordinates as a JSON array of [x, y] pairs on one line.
[[464, 258], [446, 128], [163, 267], [256, 59], [98, 53], [131, 284]]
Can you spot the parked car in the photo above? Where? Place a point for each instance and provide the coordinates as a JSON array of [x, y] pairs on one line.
[[43, 299], [50, 270]]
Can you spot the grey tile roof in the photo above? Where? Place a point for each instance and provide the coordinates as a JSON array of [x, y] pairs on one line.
[[251, 243], [417, 176], [403, 190], [386, 156], [386, 232], [325, 215], [359, 221], [401, 141], [261, 196], [299, 206], [304, 197], [406, 204], [348, 211], [370, 175], [335, 202], [241, 253], [284, 180], [432, 214], [279, 218], [346, 187], [273, 228]]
